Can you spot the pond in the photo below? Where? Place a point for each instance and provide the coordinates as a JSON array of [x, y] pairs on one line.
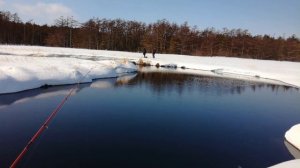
[[152, 120]]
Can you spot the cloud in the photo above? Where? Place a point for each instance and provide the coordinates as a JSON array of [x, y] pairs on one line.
[[42, 13], [2, 3]]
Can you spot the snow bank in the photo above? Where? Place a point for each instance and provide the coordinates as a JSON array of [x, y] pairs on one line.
[[293, 136], [18, 73], [288, 164], [293, 150], [286, 72], [72, 69]]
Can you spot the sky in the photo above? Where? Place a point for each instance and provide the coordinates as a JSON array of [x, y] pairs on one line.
[[271, 17]]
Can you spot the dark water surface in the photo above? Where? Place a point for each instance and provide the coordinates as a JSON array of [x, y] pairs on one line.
[[152, 120]]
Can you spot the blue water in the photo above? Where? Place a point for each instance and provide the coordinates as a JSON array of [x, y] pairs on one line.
[[152, 120]]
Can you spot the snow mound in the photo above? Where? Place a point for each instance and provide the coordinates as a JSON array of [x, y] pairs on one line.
[[125, 67], [293, 136], [288, 164], [18, 73], [293, 150]]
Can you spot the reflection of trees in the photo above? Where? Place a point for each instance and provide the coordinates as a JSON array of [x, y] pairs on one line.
[[274, 88], [166, 82], [159, 82]]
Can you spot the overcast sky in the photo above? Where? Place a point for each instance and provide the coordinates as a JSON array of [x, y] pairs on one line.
[[272, 17]]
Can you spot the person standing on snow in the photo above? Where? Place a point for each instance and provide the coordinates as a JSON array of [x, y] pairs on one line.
[[144, 52], [153, 52]]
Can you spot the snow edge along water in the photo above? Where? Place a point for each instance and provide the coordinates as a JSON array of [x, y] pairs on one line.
[[278, 72], [22, 73]]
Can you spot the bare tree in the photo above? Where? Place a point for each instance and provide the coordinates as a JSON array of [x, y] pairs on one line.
[[118, 34]]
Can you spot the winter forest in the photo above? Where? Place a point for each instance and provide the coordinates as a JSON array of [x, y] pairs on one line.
[[165, 37]]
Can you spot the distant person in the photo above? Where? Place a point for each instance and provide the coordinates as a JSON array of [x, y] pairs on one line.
[[154, 52], [144, 52]]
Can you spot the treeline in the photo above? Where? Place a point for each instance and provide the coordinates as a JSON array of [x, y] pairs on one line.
[[166, 37]]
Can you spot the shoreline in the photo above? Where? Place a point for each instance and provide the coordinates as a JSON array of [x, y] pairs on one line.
[[67, 65]]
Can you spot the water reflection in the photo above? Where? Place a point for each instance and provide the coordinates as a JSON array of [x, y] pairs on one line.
[[159, 82], [112, 82], [21, 97], [139, 118], [42, 93], [172, 81]]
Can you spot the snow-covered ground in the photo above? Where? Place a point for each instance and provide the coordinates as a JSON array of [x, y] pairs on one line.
[[27, 67], [288, 164], [293, 136], [20, 72]]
